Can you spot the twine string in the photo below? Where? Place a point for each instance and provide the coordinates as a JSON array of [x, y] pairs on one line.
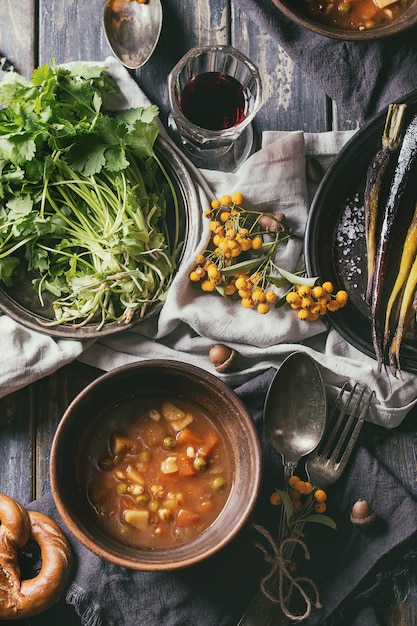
[[287, 584]]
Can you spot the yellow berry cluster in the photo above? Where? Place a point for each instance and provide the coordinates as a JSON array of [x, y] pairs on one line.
[[314, 302], [238, 260], [299, 489]]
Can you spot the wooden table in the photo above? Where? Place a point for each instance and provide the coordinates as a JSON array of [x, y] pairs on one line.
[[33, 32]]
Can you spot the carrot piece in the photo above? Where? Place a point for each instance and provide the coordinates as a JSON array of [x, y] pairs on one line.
[[404, 316], [407, 259], [187, 518], [364, 9], [208, 444], [185, 466], [189, 438]]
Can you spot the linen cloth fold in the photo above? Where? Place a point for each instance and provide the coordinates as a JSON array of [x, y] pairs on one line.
[[272, 179], [361, 77], [349, 565]]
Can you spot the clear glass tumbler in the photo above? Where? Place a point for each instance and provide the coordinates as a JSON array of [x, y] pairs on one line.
[[214, 95]]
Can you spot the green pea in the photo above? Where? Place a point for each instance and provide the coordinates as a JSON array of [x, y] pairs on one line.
[[218, 482], [344, 7], [145, 456], [153, 506], [200, 464], [121, 489], [142, 500], [169, 443]]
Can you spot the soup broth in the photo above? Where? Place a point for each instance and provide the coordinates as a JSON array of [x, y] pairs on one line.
[[157, 477], [355, 14]]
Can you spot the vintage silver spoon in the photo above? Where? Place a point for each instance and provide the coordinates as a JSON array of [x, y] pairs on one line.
[[132, 29], [295, 410], [294, 420]]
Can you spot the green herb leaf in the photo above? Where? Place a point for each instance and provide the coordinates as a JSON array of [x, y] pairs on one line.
[[296, 279], [319, 518]]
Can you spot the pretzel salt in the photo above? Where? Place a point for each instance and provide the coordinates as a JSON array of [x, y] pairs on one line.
[[23, 598]]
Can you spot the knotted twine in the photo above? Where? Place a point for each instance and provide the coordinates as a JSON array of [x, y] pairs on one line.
[[274, 555]]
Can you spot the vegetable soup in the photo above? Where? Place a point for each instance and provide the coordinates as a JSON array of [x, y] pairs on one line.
[[158, 477], [354, 14]]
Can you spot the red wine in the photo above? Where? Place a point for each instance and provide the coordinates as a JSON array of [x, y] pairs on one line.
[[214, 101]]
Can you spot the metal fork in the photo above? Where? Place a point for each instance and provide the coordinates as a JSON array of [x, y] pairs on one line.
[[326, 463], [324, 466]]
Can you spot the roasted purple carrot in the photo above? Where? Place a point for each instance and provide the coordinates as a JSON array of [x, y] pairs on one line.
[[391, 139], [406, 159]]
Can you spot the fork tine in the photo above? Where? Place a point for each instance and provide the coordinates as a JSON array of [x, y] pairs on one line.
[[352, 416], [326, 464], [340, 427], [359, 422]]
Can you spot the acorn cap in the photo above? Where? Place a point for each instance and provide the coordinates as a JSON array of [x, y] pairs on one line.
[[362, 513]]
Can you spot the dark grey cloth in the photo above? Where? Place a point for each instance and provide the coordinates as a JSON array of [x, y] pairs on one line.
[[360, 77], [351, 566]]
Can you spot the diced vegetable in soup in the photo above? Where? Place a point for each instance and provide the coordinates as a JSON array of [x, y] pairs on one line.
[[355, 14], [158, 477]]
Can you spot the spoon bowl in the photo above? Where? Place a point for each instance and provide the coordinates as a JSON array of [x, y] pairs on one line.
[[295, 410], [132, 29]]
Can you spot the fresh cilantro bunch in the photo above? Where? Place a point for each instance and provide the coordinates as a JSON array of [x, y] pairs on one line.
[[83, 196]]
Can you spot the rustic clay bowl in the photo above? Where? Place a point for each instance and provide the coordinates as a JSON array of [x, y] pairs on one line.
[[294, 12], [175, 380]]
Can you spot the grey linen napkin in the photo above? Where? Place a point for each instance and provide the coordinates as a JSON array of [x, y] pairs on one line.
[[347, 564], [360, 77]]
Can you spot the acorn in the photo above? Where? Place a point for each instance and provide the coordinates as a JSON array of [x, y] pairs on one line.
[[362, 513], [222, 357], [272, 222]]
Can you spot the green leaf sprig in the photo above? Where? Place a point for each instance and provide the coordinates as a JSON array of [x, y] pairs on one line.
[[84, 196], [302, 504]]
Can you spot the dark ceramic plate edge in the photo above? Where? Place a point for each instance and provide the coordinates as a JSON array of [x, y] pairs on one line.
[[349, 322]]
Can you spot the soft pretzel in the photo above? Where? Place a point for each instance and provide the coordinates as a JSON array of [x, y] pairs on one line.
[[23, 598]]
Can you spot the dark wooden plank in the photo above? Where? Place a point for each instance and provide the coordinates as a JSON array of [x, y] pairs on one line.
[[16, 457], [71, 31], [18, 35], [291, 100], [53, 395]]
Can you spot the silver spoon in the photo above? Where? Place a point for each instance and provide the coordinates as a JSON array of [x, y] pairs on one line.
[[132, 29], [295, 410]]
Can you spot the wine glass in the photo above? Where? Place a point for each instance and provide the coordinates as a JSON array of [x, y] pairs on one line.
[[214, 95]]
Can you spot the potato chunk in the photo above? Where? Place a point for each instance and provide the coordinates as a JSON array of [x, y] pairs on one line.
[[169, 465], [136, 518], [381, 4], [171, 412]]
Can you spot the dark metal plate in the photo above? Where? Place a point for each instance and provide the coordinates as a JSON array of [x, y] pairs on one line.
[[21, 302], [335, 236]]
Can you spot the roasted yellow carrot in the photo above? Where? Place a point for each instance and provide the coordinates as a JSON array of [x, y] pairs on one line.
[[394, 354], [405, 316], [407, 258]]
